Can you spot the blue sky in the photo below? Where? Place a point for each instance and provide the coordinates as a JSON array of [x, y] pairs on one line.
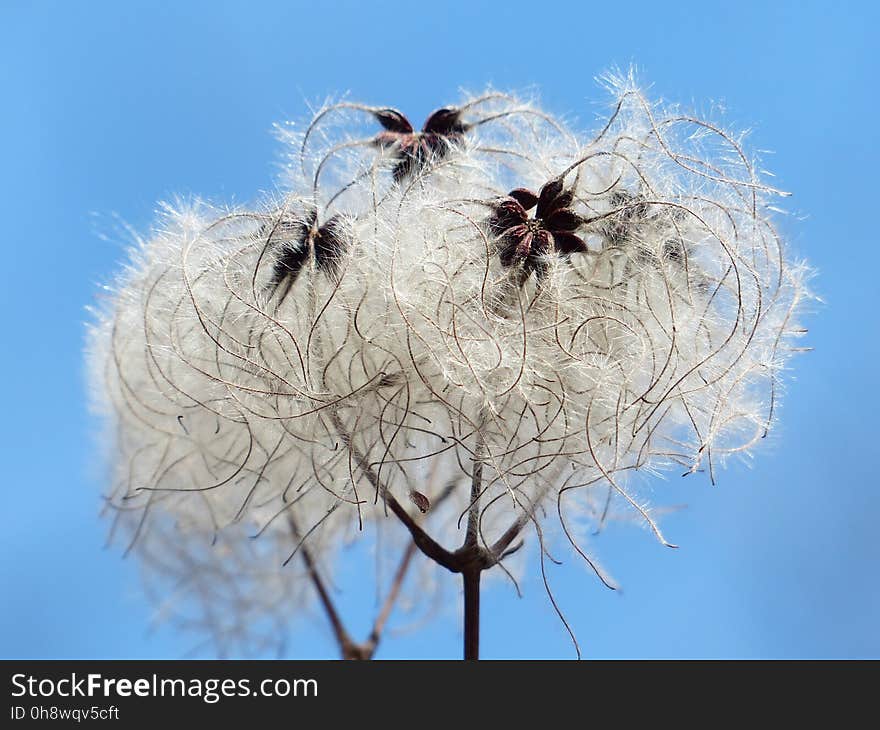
[[110, 107]]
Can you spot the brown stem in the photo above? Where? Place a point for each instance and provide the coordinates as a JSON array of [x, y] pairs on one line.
[[471, 580], [391, 598], [346, 645], [471, 570], [423, 541], [471, 559], [503, 542], [473, 519], [348, 648]]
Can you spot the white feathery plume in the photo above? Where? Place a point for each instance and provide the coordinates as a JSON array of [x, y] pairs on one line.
[[486, 328]]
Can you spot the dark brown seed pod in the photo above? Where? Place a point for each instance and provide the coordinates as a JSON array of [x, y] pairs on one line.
[[524, 240], [414, 150], [329, 245], [298, 239]]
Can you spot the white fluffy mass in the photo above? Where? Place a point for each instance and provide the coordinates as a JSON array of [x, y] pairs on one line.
[[280, 371]]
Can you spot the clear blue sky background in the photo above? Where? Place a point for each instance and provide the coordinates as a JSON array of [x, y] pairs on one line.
[[109, 107]]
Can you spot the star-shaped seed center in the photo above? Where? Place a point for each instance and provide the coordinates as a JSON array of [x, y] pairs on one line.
[[527, 241], [533, 225]]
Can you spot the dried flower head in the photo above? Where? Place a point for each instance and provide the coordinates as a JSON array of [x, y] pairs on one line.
[[299, 239], [413, 150], [528, 241], [441, 347]]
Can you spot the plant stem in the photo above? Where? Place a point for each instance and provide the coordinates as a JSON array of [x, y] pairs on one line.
[[470, 572], [393, 593], [343, 639], [423, 541], [473, 518], [471, 579]]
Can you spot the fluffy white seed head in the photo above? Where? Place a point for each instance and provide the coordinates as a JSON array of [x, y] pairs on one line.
[[374, 331]]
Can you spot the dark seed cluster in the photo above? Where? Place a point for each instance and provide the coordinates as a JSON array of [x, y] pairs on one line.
[[413, 150], [298, 240], [526, 242]]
